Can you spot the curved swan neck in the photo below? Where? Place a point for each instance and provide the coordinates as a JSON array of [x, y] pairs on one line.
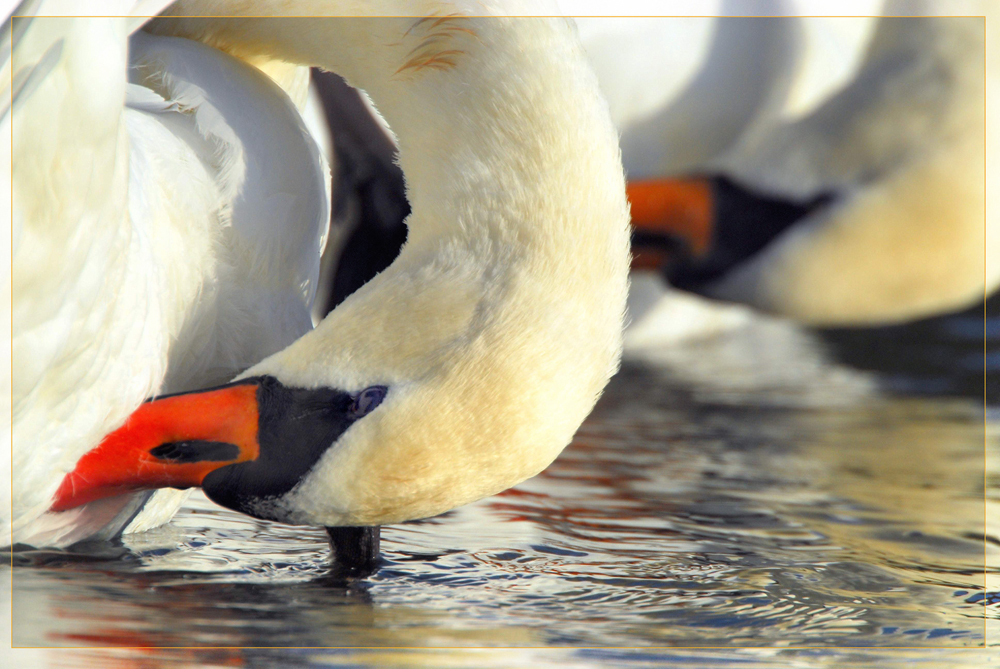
[[477, 105], [499, 324], [513, 174]]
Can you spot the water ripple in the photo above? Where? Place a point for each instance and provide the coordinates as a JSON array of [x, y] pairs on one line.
[[674, 519]]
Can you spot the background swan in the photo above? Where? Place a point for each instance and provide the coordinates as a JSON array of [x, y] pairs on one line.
[[874, 200], [491, 340]]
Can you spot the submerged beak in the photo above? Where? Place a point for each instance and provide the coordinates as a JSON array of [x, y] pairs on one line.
[[669, 217], [173, 441]]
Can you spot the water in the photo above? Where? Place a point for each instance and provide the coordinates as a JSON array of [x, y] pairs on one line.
[[737, 501]]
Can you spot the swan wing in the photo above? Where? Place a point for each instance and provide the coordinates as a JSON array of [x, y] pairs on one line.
[[69, 200], [147, 237], [273, 222]]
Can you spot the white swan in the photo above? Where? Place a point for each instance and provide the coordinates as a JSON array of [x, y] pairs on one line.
[[870, 209], [462, 369]]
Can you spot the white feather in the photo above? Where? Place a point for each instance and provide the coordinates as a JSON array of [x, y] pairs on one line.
[[156, 250]]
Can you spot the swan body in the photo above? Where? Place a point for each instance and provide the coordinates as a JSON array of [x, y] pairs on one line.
[[463, 368]]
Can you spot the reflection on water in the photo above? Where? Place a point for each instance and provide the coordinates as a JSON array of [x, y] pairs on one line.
[[943, 354], [702, 504]]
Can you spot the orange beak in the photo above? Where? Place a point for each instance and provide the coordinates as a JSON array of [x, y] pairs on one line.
[[669, 209], [174, 441]]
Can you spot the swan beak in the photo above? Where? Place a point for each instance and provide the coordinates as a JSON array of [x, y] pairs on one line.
[[173, 441], [669, 217]]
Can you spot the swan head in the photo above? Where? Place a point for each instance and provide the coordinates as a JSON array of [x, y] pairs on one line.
[[429, 388]]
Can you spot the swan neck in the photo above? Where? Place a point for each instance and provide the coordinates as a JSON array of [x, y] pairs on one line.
[[484, 109]]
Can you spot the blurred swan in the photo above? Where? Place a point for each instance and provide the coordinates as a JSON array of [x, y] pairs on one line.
[[869, 209], [169, 210]]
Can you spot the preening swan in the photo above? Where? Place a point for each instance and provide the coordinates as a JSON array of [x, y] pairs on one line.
[[870, 209], [462, 369]]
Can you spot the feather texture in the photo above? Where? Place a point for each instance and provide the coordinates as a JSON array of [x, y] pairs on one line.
[[155, 250]]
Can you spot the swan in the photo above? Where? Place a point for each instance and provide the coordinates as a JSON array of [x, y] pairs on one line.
[[868, 210], [463, 368]]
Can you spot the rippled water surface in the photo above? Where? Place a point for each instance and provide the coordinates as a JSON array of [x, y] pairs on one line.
[[736, 492]]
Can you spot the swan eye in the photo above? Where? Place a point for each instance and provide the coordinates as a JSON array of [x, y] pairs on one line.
[[367, 399]]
